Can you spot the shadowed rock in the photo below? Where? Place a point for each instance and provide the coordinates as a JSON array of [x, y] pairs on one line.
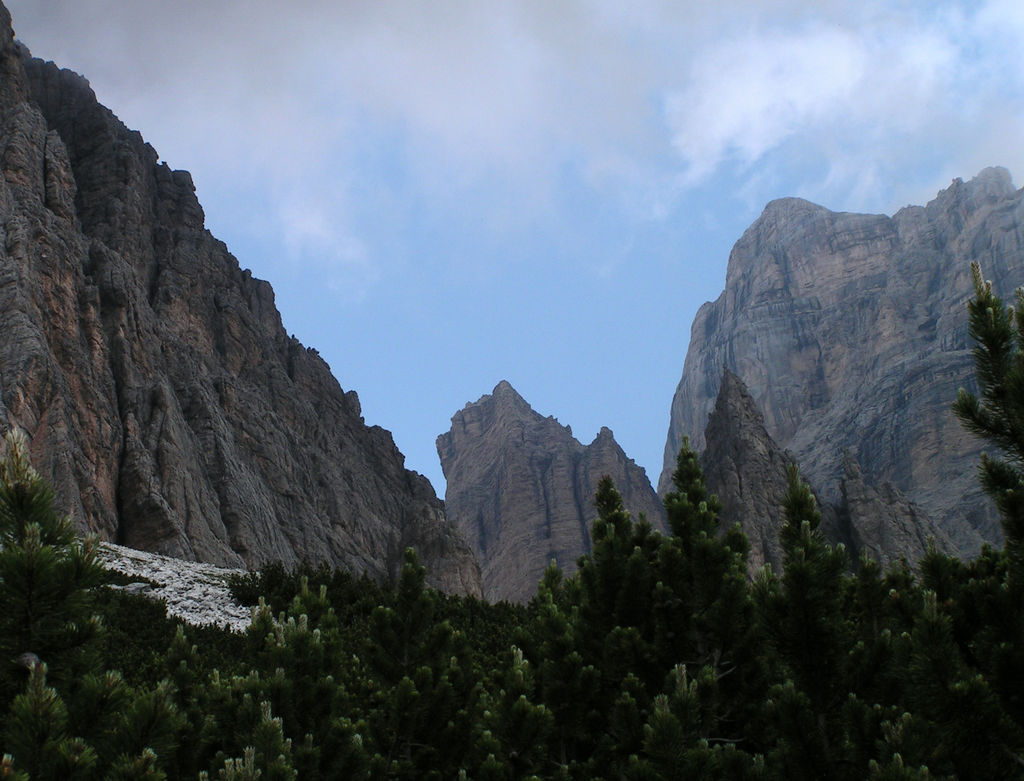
[[521, 489], [161, 394], [748, 471]]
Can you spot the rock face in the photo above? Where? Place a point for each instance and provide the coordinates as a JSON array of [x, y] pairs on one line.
[[881, 522], [521, 488], [160, 392], [850, 331], [748, 471]]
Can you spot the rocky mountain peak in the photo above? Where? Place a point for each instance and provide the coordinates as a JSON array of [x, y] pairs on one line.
[[849, 332], [521, 488], [160, 392], [745, 467], [747, 470], [987, 187]]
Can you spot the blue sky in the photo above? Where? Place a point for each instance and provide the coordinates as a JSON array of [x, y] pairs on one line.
[[447, 194]]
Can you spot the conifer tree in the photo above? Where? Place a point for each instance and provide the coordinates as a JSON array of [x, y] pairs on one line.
[[703, 611], [36, 734], [46, 573], [514, 732], [425, 699], [998, 415], [565, 682], [987, 595], [802, 615]]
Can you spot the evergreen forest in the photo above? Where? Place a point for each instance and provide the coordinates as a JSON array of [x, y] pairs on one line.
[[658, 659]]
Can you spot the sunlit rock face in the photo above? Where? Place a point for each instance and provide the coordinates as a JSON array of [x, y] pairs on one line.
[[160, 392], [850, 332], [521, 488]]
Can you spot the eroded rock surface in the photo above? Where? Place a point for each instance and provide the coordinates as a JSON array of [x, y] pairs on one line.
[[747, 470], [521, 488], [159, 389], [850, 331]]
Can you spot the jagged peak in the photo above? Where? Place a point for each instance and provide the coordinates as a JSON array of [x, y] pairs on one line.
[[995, 176], [605, 438], [505, 399], [504, 390], [733, 394], [989, 185]]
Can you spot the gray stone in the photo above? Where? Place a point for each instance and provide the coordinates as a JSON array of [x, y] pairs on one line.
[[850, 331], [161, 394], [748, 471], [521, 488]]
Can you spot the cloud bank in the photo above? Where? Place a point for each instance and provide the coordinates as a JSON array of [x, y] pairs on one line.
[[641, 103]]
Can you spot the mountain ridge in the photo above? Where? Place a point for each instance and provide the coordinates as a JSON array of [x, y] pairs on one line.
[[850, 333], [161, 394]]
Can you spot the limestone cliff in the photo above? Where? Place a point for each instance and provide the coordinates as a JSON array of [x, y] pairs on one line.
[[521, 488], [161, 394], [850, 332], [748, 471]]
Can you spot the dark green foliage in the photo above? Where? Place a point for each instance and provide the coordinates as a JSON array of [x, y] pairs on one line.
[[811, 637], [46, 577], [658, 659], [998, 415]]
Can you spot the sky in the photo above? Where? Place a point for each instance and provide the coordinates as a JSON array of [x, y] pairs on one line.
[[448, 194]]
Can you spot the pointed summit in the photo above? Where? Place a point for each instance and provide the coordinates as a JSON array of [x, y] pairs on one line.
[[521, 488], [747, 470]]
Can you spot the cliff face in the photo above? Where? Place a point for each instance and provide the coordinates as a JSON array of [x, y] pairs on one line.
[[521, 488], [850, 332], [161, 394], [747, 471], [745, 467]]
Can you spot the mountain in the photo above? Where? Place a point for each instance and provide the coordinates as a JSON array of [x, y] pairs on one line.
[[521, 488], [850, 331], [161, 394], [747, 470]]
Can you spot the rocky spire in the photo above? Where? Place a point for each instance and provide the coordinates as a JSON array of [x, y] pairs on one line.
[[521, 488]]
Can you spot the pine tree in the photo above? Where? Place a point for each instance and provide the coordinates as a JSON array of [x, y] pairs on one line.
[[802, 615], [985, 599], [46, 573], [36, 734], [514, 732], [998, 415], [703, 612], [425, 698]]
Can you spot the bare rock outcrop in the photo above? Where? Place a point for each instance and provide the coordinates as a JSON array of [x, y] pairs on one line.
[[521, 488], [159, 389], [747, 470], [850, 331]]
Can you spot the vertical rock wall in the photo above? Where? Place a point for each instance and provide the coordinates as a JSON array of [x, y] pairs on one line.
[[153, 375], [850, 332]]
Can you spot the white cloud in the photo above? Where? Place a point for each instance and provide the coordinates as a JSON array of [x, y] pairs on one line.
[[852, 111], [746, 96], [498, 103]]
